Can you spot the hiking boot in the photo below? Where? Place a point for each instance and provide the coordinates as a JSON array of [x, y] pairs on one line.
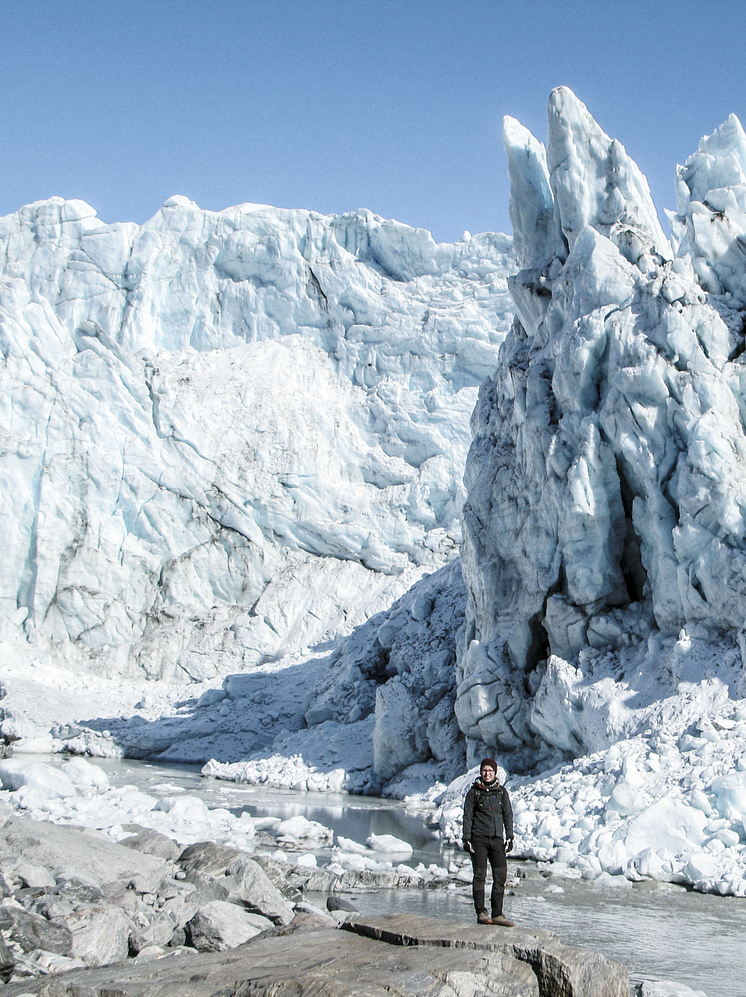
[[483, 917], [502, 921]]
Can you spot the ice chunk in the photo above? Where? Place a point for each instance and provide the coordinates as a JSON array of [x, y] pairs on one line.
[[389, 843]]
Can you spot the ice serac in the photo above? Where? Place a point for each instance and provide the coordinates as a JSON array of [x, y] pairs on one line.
[[711, 202], [225, 435], [607, 475]]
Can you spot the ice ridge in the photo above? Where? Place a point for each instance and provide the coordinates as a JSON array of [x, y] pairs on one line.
[[607, 475]]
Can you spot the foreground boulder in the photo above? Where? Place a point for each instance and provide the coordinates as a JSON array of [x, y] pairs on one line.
[[231, 875], [30, 931], [77, 853], [374, 957], [219, 926], [100, 934]]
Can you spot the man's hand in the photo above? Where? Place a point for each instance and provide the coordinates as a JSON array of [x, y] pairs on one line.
[[509, 845], [468, 847]]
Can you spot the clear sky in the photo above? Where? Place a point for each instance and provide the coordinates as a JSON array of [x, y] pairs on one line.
[[334, 105]]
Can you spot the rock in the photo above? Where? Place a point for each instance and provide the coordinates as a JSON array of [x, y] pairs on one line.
[[100, 934], [54, 963], [153, 843], [158, 933], [309, 919], [209, 865], [83, 854], [30, 931], [7, 962], [559, 969], [34, 876], [337, 903], [219, 926], [433, 958]]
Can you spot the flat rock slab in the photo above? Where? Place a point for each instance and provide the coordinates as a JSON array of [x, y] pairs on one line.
[[437, 960], [561, 970]]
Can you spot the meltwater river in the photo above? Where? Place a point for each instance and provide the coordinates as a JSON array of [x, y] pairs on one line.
[[661, 932]]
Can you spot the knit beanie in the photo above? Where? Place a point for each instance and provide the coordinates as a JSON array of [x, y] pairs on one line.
[[489, 761]]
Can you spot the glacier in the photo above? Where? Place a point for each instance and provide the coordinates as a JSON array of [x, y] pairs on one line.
[[227, 435], [232, 471], [604, 525]]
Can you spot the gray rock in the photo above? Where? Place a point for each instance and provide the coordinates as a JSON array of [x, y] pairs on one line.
[[30, 931], [559, 969], [79, 853], [34, 876], [209, 866], [158, 933], [311, 963], [337, 903], [100, 934], [53, 963], [446, 959], [153, 843], [7, 962], [219, 926]]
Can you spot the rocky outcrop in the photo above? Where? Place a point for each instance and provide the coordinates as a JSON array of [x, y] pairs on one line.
[[97, 902], [371, 958]]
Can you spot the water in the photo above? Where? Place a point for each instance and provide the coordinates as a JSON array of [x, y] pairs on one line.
[[665, 934], [659, 931]]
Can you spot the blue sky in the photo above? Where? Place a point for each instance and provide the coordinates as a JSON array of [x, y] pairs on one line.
[[334, 106]]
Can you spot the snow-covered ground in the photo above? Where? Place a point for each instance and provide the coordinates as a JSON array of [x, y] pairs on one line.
[[233, 495]]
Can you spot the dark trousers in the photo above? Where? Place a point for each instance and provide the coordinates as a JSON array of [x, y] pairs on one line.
[[490, 850]]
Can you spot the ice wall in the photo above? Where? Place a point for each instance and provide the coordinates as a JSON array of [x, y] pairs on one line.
[[225, 435], [607, 476]]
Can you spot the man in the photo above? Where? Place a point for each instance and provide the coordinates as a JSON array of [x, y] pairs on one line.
[[487, 811]]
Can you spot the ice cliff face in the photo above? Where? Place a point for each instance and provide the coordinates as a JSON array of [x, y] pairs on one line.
[[225, 435], [607, 478]]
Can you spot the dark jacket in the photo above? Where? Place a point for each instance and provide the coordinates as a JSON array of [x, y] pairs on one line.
[[487, 811]]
